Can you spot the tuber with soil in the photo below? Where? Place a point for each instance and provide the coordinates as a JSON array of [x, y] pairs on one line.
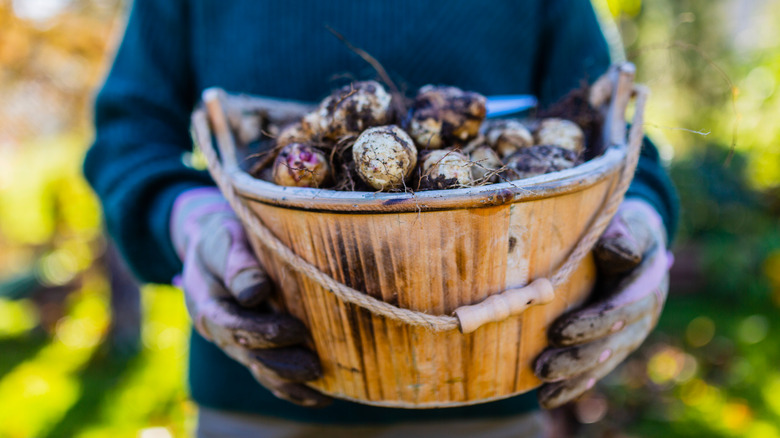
[[357, 139]]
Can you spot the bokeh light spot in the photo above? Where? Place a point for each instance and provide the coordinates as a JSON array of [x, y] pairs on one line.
[[665, 365], [736, 415], [771, 394], [700, 331], [695, 392], [154, 432], [58, 267], [16, 317], [762, 429], [760, 82], [753, 329], [591, 409]]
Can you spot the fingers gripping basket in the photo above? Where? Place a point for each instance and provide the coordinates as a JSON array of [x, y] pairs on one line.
[[395, 287]]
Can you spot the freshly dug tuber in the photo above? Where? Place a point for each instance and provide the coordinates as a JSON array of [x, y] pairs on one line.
[[541, 159], [508, 136], [384, 157], [446, 116], [293, 133], [350, 110], [561, 132], [485, 164], [444, 127], [301, 165], [444, 169]]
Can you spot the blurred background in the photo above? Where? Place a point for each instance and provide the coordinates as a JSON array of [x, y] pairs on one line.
[[85, 352]]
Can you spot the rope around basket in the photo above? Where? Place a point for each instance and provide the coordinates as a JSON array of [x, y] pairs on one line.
[[436, 323]]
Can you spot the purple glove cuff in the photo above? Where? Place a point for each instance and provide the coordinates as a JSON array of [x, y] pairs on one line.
[[190, 206]]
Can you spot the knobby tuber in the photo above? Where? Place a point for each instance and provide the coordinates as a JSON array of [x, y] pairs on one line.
[[349, 111], [301, 165], [541, 159], [561, 132], [508, 136], [444, 169], [354, 140], [384, 157], [485, 164], [446, 116]]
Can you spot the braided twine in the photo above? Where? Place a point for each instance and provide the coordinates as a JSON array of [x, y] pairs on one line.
[[436, 323]]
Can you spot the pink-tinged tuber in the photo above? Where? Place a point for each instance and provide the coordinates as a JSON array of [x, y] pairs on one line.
[[384, 157], [541, 159], [508, 136], [444, 169], [301, 165], [349, 111], [446, 116], [561, 132]]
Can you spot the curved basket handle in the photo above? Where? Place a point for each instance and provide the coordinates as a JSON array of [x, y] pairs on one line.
[[511, 302]]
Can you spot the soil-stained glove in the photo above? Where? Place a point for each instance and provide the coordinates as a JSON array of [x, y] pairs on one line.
[[225, 290], [590, 342]]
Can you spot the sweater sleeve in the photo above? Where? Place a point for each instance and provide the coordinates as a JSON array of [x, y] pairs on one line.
[[142, 129], [574, 49]]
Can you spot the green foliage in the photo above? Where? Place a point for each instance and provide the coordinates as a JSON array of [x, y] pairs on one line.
[[710, 368]]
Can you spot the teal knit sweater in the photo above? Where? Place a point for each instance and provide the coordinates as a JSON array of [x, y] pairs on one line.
[[174, 49]]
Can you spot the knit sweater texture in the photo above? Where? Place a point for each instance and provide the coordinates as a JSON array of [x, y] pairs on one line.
[[174, 49]]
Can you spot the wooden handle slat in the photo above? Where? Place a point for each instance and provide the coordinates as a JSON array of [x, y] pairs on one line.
[[214, 98], [601, 90], [511, 302], [620, 97]]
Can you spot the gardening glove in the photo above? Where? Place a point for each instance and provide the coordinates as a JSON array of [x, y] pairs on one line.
[[589, 342], [226, 289]]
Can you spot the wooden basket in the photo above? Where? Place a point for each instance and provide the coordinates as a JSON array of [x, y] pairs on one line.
[[422, 256]]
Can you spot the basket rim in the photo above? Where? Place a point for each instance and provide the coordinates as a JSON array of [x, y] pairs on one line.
[[538, 187]]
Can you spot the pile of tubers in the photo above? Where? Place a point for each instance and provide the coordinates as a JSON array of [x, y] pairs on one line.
[[357, 139]]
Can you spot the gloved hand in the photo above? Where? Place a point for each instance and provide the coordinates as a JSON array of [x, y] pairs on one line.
[[225, 290], [589, 342]]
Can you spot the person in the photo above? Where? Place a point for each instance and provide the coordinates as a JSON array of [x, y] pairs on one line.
[[168, 218]]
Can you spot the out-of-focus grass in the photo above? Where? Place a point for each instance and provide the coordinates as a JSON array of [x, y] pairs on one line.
[[72, 386], [70, 383]]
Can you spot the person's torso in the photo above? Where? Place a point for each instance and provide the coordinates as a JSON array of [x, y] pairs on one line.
[[284, 49]]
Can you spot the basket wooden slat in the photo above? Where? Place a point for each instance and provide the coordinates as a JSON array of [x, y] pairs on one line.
[[431, 262]]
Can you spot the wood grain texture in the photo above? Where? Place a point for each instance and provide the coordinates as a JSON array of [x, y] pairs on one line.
[[434, 262]]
